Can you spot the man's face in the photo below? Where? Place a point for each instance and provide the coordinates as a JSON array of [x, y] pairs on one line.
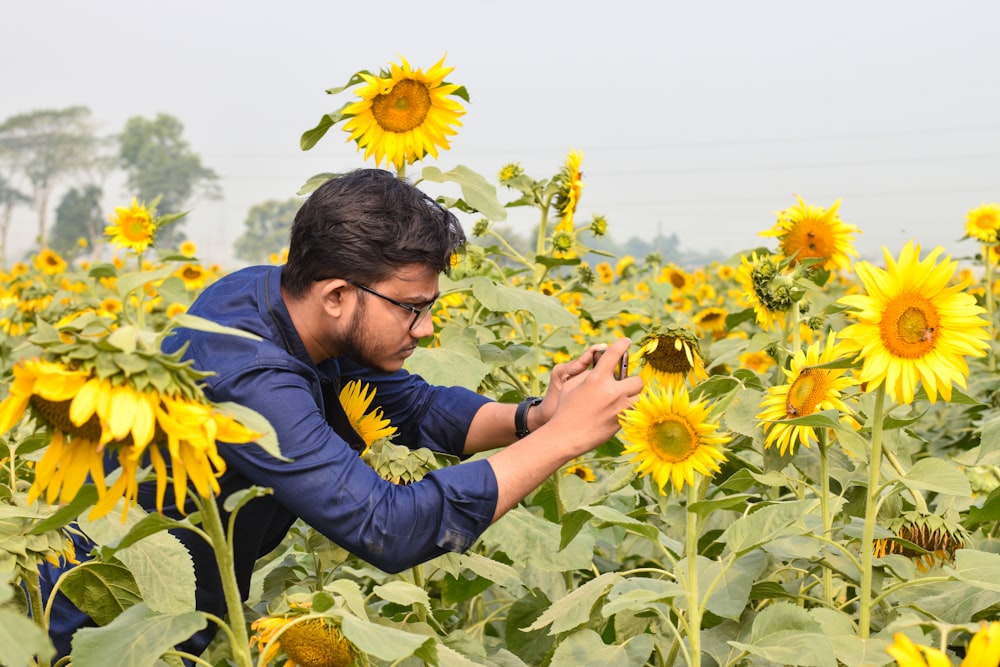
[[380, 334]]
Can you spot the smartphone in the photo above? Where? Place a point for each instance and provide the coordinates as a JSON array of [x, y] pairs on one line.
[[621, 370]]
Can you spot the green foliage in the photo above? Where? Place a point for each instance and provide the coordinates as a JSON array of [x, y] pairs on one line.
[[79, 216], [266, 230]]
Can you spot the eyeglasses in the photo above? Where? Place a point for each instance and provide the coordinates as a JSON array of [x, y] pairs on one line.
[[419, 313]]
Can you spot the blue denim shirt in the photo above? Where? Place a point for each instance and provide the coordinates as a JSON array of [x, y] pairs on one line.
[[326, 483]]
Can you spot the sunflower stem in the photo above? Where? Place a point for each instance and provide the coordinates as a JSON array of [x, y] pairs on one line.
[[988, 298], [212, 522], [418, 581], [691, 581], [871, 507], [824, 504], [29, 579]]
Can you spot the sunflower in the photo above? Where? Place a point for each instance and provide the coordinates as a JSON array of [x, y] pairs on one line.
[[570, 186], [809, 390], [681, 280], [671, 355], [670, 438], [371, 426], [132, 227], [584, 472], [937, 537], [913, 326], [983, 223], [88, 413], [49, 262], [605, 273], [983, 650], [193, 275], [712, 320], [811, 232], [188, 249], [404, 114], [306, 641]]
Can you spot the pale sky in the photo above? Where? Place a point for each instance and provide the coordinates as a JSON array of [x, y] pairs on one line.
[[700, 119]]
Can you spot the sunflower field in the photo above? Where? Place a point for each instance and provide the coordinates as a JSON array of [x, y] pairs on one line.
[[811, 475]]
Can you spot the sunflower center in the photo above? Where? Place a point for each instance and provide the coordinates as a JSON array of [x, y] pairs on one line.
[[668, 357], [314, 643], [135, 228], [909, 327], [806, 392], [673, 439], [403, 108], [808, 239], [56, 413]]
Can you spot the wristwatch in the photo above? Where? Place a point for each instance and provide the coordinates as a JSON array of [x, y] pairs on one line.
[[521, 415]]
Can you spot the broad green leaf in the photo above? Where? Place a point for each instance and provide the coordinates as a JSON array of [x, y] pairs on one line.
[[137, 638], [978, 568], [505, 299], [131, 281], [353, 597], [767, 523], [235, 501], [736, 502], [477, 192], [257, 423], [457, 362], [497, 572], [785, 634], [146, 526], [311, 136], [574, 609], [383, 642], [730, 583], [637, 594], [586, 649], [21, 640], [937, 475], [85, 497], [189, 321], [848, 647], [159, 563], [987, 513], [533, 646], [532, 542], [741, 415], [610, 516], [404, 593], [102, 590]]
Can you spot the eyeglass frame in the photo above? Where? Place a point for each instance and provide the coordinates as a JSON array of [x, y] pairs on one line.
[[418, 313]]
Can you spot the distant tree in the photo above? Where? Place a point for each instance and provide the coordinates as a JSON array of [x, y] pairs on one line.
[[78, 216], [9, 198], [267, 226], [158, 162], [46, 146]]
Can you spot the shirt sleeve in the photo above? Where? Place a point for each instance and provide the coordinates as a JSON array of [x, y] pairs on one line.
[[327, 485]]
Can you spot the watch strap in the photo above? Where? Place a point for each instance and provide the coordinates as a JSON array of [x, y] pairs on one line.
[[521, 415]]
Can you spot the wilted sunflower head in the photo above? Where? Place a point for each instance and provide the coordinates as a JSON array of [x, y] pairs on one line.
[[926, 539], [671, 355], [399, 464]]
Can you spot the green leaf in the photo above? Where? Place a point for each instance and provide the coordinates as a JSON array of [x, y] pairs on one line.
[[404, 593], [937, 475], [315, 181], [704, 508], [731, 582], [741, 415], [505, 299], [533, 646], [767, 523], [311, 136], [532, 543], [499, 573], [978, 568], [21, 640], [476, 190], [235, 501], [785, 634], [137, 638], [608, 516], [124, 338], [102, 590], [189, 321], [67, 514], [456, 362], [988, 513], [586, 649], [574, 609], [383, 642], [638, 594], [132, 281], [159, 563]]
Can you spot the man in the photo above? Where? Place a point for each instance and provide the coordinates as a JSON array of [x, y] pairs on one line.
[[352, 302]]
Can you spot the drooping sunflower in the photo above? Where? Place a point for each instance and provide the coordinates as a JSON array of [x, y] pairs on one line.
[[371, 426], [306, 641], [570, 187], [913, 326], [767, 290], [132, 227], [937, 537], [91, 414], [712, 320], [983, 650], [806, 232], [983, 223], [404, 114], [809, 390], [671, 355], [670, 438]]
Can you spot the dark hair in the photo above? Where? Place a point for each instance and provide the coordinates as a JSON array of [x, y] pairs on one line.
[[362, 226]]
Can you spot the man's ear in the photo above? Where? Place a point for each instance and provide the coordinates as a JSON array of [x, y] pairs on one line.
[[332, 295]]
